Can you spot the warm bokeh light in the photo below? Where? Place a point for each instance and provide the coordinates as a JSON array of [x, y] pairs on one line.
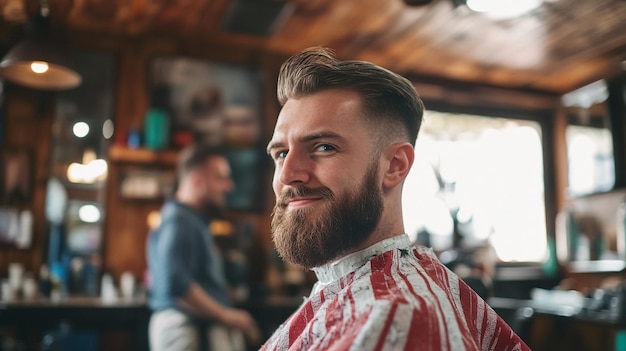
[[80, 129], [75, 172], [89, 213], [153, 220], [89, 155], [107, 129], [39, 67], [221, 227], [89, 173]]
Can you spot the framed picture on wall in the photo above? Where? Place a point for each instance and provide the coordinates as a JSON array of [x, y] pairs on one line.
[[218, 104]]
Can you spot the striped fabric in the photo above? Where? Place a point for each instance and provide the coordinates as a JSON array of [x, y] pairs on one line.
[[393, 296]]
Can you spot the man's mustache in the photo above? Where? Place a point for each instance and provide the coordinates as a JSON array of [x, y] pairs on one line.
[[292, 193]]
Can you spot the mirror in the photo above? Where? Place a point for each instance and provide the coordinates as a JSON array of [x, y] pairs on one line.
[[587, 232], [589, 140], [80, 137]]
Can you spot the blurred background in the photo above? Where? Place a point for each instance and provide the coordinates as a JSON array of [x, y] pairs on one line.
[[519, 182]]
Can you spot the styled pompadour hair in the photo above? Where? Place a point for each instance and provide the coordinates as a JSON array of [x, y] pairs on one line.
[[389, 100]]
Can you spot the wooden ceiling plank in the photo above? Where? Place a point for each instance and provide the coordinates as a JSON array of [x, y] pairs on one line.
[[399, 25], [576, 27], [299, 29], [410, 48], [558, 47], [352, 42], [211, 18]]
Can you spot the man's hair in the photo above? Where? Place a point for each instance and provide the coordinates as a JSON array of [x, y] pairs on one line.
[[388, 99], [195, 156]]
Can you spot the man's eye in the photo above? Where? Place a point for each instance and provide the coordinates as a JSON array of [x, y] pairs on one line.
[[280, 154], [325, 147]]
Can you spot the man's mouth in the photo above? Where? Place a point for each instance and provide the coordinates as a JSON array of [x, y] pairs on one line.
[[301, 201], [302, 197]]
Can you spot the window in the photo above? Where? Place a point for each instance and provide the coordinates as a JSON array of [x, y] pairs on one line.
[[483, 178]]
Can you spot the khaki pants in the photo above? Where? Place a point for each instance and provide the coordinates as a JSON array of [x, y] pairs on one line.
[[172, 330]]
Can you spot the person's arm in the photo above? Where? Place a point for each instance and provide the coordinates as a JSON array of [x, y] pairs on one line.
[[198, 302]]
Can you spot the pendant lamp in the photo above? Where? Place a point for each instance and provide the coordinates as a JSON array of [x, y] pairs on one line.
[[40, 60]]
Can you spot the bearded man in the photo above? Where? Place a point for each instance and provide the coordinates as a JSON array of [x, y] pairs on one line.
[[342, 147]]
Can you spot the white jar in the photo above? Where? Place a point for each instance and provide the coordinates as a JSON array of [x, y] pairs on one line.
[[29, 287]]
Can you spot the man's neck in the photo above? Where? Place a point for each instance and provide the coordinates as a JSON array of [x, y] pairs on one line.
[[184, 196], [389, 226]]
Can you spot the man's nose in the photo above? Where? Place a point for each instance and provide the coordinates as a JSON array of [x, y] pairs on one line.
[[295, 169]]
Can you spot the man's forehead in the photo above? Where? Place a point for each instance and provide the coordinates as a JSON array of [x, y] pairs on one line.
[[216, 162], [306, 121]]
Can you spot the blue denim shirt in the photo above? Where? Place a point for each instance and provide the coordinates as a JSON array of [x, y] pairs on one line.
[[181, 251]]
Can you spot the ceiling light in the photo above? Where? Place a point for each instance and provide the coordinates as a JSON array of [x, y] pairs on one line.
[[39, 66], [503, 8], [594, 93], [40, 61]]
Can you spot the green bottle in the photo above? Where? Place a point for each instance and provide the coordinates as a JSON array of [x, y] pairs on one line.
[[156, 129]]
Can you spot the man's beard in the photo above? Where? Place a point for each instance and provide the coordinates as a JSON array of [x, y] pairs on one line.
[[212, 209], [311, 237]]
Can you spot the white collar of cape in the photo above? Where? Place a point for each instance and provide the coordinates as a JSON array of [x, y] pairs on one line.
[[332, 271]]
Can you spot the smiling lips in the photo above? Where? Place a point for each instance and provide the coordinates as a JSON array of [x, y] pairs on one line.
[[301, 201], [302, 197]]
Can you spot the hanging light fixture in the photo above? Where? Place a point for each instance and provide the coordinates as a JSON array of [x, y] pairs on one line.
[[39, 61], [503, 8], [497, 9]]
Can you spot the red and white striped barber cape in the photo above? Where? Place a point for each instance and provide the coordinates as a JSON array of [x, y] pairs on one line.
[[393, 296]]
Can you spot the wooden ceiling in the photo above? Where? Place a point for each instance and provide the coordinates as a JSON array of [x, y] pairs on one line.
[[561, 46]]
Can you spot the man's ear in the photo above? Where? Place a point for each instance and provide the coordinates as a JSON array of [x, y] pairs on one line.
[[399, 158], [194, 178]]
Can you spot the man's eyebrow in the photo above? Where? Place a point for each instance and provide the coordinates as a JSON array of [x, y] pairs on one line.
[[320, 135], [273, 145], [306, 138]]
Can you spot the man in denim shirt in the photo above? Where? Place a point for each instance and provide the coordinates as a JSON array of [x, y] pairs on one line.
[[188, 290]]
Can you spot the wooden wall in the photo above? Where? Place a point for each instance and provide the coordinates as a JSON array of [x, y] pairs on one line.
[[27, 124]]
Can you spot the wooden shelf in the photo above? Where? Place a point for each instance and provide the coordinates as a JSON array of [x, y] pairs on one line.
[[141, 155]]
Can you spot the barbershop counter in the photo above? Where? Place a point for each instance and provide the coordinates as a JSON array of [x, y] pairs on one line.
[[74, 323], [94, 324]]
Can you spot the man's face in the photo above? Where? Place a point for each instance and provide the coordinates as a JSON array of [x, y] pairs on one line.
[[326, 178], [216, 182]]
